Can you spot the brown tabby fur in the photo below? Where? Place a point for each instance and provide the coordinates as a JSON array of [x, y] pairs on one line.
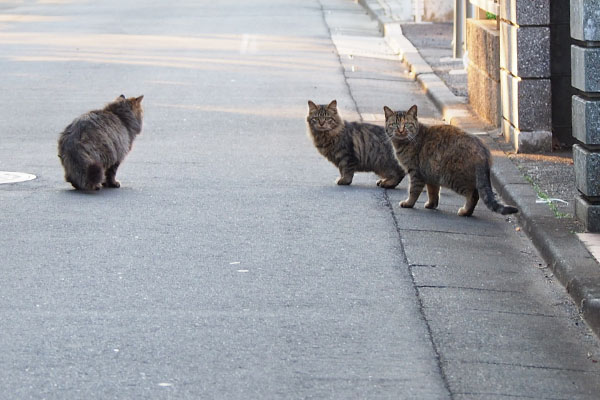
[[93, 146], [442, 155], [352, 146]]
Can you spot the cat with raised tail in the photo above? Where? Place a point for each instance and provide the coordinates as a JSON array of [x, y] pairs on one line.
[[352, 146], [92, 147], [442, 155]]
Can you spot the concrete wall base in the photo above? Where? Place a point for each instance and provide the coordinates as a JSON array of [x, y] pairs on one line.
[[527, 141], [587, 213]]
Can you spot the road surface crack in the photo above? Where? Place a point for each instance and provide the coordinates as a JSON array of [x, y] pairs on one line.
[[418, 295]]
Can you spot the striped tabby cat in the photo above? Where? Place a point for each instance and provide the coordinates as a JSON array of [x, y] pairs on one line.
[[353, 146], [442, 155]]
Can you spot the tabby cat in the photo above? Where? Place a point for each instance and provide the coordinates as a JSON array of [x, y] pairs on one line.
[[442, 155], [353, 146], [93, 146]]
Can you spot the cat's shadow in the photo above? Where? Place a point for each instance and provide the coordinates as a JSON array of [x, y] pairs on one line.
[[102, 193], [359, 187]]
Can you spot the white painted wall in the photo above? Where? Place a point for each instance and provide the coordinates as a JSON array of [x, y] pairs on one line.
[[433, 10], [438, 10], [400, 10]]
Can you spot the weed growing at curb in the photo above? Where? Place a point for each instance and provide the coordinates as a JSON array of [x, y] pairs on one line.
[[542, 195]]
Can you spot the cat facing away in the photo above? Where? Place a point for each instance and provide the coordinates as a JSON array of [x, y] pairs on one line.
[[353, 146], [442, 155], [92, 147]]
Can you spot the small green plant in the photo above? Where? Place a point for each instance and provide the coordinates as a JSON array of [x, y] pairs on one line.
[[553, 207], [542, 195], [489, 15]]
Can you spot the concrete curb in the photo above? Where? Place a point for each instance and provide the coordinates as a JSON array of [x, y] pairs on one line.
[[564, 253], [567, 257], [449, 105]]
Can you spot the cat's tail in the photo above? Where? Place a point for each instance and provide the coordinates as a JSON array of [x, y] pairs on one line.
[[484, 187]]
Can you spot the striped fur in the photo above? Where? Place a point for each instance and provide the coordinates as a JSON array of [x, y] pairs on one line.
[[442, 155], [352, 146], [93, 146]]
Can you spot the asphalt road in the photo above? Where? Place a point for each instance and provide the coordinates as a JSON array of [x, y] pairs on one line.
[[229, 264]]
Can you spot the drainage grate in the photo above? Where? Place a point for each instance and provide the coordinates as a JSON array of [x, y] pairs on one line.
[[14, 177]]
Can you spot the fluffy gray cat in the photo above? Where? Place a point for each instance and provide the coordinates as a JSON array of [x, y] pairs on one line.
[[93, 146]]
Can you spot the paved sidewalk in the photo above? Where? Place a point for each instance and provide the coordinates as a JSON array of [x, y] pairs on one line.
[[529, 181], [495, 314]]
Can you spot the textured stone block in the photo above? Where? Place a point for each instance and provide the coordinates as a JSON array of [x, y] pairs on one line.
[[588, 213], [586, 120], [483, 46], [587, 164], [527, 141], [484, 95], [585, 68], [525, 51], [585, 20], [526, 103], [525, 12]]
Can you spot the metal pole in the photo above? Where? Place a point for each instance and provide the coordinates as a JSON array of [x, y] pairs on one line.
[[470, 10], [459, 24]]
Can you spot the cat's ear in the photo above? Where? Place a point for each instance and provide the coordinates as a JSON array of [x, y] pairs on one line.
[[312, 106], [122, 96], [388, 112], [332, 106], [412, 111], [139, 99]]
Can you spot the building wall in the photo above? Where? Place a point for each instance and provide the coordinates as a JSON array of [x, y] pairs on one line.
[[438, 10], [585, 79], [483, 71], [525, 75]]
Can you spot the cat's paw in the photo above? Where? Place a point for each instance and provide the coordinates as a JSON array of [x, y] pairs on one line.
[[406, 204], [463, 212], [343, 181], [431, 204], [384, 183], [113, 184]]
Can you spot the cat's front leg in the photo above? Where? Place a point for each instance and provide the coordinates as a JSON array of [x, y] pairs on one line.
[[346, 175], [414, 191], [347, 165], [433, 196], [345, 178], [111, 181]]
